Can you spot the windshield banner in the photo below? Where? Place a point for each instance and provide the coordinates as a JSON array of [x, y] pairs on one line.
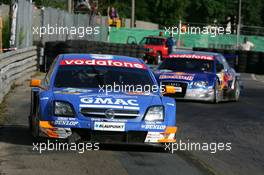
[[86, 62]]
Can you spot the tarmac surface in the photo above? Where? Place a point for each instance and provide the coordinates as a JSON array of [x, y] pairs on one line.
[[239, 123]]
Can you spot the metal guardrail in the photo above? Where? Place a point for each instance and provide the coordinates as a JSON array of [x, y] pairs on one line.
[[16, 66]]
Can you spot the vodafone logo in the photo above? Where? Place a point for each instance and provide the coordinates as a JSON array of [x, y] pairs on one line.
[[200, 57], [86, 62]]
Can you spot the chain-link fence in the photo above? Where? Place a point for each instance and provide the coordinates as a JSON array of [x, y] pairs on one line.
[[35, 25], [60, 25], [24, 36]]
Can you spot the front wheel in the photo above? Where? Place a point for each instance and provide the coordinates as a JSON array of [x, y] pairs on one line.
[[217, 93], [236, 91]]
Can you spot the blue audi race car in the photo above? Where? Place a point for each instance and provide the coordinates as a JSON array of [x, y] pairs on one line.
[[201, 76], [86, 96]]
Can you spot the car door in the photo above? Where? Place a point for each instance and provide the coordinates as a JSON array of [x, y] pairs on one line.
[[224, 73]]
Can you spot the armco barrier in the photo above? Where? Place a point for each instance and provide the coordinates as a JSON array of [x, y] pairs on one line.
[[16, 66], [52, 49], [242, 61]]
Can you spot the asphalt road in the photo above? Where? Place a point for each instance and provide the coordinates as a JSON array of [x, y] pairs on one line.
[[239, 123]]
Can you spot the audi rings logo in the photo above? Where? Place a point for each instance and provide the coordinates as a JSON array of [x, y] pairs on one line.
[[110, 113]]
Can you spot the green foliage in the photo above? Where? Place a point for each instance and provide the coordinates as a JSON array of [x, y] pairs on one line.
[[6, 32], [252, 12], [61, 4], [5, 1], [167, 12]]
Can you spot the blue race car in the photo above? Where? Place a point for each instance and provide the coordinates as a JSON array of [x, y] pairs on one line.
[[201, 76], [93, 97]]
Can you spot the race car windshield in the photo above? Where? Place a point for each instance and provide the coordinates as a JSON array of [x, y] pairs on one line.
[[93, 76], [187, 65]]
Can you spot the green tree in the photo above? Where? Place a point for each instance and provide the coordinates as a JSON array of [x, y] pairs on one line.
[[61, 4], [166, 12], [252, 12]]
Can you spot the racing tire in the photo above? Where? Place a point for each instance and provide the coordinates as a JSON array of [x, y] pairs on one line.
[[236, 94], [35, 125], [217, 97], [35, 128], [35, 134], [30, 123]]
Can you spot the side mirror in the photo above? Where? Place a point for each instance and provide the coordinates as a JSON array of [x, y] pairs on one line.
[[170, 90], [35, 83]]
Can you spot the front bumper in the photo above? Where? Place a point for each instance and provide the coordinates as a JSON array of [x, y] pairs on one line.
[[47, 129], [199, 94]]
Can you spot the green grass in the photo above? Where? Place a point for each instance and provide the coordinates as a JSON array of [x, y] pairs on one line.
[[2, 112]]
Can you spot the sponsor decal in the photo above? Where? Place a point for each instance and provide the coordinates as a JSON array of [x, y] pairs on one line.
[[192, 56], [188, 77], [110, 101], [66, 123], [226, 80], [109, 96], [98, 56], [170, 104], [154, 137], [44, 98], [153, 122], [139, 93], [178, 89], [101, 62], [153, 126], [108, 120], [109, 126]]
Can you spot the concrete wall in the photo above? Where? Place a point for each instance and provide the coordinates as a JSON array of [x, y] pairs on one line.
[[16, 66]]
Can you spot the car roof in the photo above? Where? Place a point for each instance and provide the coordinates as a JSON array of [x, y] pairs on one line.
[[75, 56], [196, 53]]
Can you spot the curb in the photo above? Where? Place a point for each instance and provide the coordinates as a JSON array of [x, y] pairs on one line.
[[254, 77]]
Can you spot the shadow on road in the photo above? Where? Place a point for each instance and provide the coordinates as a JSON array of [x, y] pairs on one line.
[[15, 134], [20, 135]]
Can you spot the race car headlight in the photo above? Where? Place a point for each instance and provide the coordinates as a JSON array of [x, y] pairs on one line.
[[155, 113], [200, 83], [63, 109]]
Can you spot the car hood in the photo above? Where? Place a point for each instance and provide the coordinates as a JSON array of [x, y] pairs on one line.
[[93, 98], [184, 76]]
